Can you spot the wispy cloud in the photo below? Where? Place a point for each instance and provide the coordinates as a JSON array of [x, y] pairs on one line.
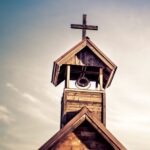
[[33, 109], [5, 115], [35, 112], [38, 110], [12, 87], [26, 95], [30, 97]]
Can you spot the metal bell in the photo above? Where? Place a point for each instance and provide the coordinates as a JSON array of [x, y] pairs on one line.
[[82, 81]]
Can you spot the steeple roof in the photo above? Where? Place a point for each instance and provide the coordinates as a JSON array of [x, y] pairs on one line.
[[71, 57], [83, 115]]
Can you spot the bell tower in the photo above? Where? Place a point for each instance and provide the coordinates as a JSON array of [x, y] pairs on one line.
[[87, 72]]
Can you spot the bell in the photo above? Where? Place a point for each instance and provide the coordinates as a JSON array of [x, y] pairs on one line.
[[83, 82]]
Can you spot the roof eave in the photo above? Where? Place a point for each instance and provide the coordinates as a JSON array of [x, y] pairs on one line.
[[111, 77], [55, 72]]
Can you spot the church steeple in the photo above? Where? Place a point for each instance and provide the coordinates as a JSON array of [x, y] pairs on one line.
[[87, 72]]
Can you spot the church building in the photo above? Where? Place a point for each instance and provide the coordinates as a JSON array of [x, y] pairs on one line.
[[87, 73]]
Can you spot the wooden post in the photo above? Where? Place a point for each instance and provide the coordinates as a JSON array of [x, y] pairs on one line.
[[104, 109], [68, 77], [101, 78]]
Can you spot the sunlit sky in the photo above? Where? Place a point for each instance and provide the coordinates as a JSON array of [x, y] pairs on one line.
[[34, 33]]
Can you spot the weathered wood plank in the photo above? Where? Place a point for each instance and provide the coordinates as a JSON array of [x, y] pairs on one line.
[[75, 100], [101, 78], [68, 77], [104, 109]]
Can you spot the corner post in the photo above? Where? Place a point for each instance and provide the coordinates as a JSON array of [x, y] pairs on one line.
[[104, 109], [101, 78], [68, 77]]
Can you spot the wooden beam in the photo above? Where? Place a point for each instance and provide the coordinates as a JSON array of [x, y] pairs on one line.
[[64, 58], [104, 109], [87, 27], [87, 72], [68, 77], [101, 78]]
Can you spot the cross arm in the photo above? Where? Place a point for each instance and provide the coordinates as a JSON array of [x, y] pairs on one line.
[[90, 27], [87, 27]]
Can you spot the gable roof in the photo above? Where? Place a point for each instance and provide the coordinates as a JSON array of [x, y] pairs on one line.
[[83, 115], [59, 64]]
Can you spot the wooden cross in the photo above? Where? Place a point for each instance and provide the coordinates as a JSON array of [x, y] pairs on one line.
[[84, 27]]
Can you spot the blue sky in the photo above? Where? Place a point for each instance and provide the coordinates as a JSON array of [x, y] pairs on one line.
[[33, 33]]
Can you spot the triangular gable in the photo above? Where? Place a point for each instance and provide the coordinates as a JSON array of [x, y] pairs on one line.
[[83, 115], [59, 64]]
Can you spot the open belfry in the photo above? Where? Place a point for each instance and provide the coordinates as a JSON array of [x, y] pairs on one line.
[[87, 72]]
